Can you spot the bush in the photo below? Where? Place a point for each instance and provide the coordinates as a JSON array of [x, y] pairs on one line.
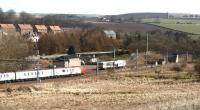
[[197, 68], [13, 47], [176, 68]]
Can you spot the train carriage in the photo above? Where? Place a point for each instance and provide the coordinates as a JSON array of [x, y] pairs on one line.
[[120, 63], [67, 71], [109, 64], [26, 75], [46, 73], [7, 76]]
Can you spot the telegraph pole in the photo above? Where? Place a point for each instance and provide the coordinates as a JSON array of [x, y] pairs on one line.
[[147, 43], [147, 48], [137, 60], [37, 64], [1, 30], [97, 67], [114, 59]]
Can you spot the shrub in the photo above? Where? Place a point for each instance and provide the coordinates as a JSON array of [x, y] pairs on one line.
[[197, 68], [176, 68]]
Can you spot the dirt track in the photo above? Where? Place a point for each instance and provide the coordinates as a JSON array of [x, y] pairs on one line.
[[106, 91]]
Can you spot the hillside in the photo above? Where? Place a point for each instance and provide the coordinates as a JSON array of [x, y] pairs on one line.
[[188, 26], [130, 27], [135, 16]]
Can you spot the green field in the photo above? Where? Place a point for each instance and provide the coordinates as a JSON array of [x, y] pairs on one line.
[[189, 26]]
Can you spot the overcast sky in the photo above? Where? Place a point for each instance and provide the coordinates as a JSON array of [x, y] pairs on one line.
[[103, 7]]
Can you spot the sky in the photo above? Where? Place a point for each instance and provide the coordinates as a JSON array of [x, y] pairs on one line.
[[103, 7]]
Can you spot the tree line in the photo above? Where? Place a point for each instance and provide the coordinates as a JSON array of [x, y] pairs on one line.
[[12, 17], [82, 40]]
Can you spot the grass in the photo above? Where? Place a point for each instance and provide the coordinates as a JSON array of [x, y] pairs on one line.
[[189, 26], [170, 21]]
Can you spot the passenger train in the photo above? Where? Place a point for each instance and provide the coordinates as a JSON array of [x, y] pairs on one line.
[[45, 73], [109, 64]]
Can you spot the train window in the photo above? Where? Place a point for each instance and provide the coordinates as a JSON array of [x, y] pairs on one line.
[[35, 73], [7, 75], [4, 75], [63, 70], [0, 76], [24, 74], [31, 73]]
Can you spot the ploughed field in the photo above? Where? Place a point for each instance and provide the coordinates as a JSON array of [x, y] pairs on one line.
[[119, 90], [130, 27]]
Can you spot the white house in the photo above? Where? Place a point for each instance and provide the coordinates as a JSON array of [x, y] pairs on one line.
[[110, 33]]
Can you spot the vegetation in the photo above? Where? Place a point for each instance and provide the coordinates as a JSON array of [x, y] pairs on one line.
[[14, 48], [11, 17], [92, 38], [188, 26], [197, 68], [81, 40], [176, 68], [95, 40]]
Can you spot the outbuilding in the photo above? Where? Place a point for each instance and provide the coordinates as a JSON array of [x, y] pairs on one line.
[[110, 34]]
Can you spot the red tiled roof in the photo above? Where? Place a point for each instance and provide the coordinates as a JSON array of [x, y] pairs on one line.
[[25, 27], [40, 27], [55, 28], [7, 26]]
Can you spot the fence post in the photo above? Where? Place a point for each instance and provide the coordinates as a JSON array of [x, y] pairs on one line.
[[97, 67]]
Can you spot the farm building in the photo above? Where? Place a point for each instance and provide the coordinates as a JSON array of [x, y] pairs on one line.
[[40, 29], [67, 61], [7, 29], [24, 29], [110, 34], [54, 29]]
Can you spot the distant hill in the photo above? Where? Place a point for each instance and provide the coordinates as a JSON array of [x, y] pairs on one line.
[[76, 17], [135, 16], [129, 17]]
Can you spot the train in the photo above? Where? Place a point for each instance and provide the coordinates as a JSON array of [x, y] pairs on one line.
[[55, 72], [109, 64], [41, 74]]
